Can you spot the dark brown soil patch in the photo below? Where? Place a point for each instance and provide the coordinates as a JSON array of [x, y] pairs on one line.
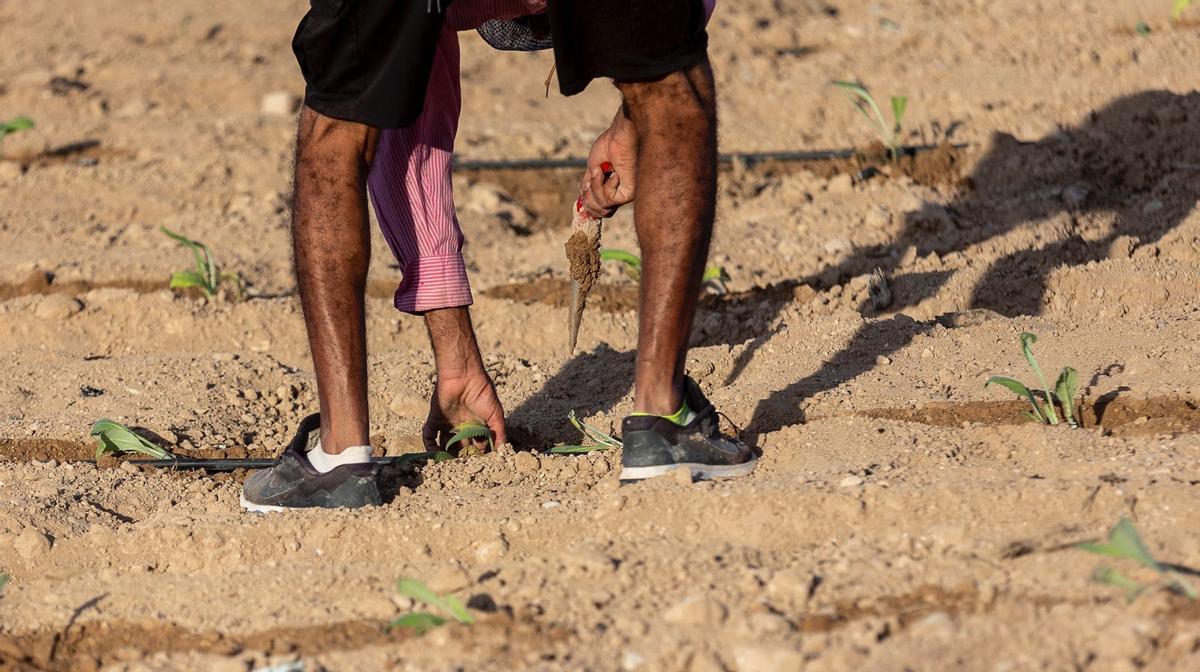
[[1118, 416], [92, 645], [939, 167], [620, 298]]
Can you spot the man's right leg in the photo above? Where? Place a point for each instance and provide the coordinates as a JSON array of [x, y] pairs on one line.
[[331, 243], [332, 248]]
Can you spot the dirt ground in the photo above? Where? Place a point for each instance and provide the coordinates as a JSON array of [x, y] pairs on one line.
[[903, 516]]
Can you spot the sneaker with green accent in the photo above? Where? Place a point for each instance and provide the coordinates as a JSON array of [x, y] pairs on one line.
[[654, 445], [294, 483]]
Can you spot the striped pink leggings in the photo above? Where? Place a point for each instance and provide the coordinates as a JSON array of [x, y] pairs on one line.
[[410, 180]]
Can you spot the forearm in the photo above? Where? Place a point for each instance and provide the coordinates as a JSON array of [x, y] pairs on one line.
[[455, 350]]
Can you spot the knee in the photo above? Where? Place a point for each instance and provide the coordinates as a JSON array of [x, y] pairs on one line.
[[329, 140], [686, 97]]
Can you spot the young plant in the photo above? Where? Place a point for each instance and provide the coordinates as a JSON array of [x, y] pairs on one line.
[[600, 440], [468, 431], [714, 276], [1125, 543], [423, 621], [116, 439], [1043, 404], [3, 581], [206, 276], [15, 125], [889, 134], [1180, 7]]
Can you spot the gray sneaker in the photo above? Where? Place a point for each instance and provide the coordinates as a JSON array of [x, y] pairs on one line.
[[293, 483], [654, 446]]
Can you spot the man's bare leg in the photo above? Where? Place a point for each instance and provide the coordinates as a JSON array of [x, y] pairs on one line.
[[332, 247], [674, 205]]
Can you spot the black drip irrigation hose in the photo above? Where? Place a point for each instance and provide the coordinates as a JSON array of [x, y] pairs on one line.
[[747, 158], [218, 465]]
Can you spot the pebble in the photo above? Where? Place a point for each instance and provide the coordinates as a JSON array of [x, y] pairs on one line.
[[449, 579], [57, 307], [696, 610], [526, 462], [767, 659], [31, 543], [490, 551], [850, 481], [279, 104], [10, 171], [841, 184]]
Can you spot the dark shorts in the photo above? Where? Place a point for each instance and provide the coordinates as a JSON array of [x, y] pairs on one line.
[[368, 60]]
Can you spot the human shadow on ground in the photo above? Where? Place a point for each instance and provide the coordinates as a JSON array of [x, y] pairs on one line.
[[1137, 158], [1126, 177]]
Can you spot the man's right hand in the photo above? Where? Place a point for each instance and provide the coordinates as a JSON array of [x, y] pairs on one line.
[[618, 146]]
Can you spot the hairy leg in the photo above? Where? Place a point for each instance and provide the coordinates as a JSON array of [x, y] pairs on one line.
[[674, 205], [332, 248]]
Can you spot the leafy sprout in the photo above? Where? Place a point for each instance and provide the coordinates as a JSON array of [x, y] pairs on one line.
[[3, 581], [889, 134], [468, 431], [15, 125], [1179, 8], [206, 276], [600, 440], [714, 276], [115, 439], [423, 621], [1064, 390], [1125, 543]]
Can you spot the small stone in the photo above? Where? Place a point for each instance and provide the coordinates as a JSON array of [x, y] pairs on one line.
[[280, 104], [850, 481], [31, 543], [490, 551], [883, 360], [10, 171], [632, 660], [841, 184], [129, 468], [527, 463], [135, 107], [696, 610], [449, 579], [767, 659], [1152, 207], [683, 475], [57, 307]]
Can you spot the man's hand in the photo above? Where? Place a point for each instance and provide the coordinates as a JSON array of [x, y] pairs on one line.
[[457, 400], [464, 392], [619, 146]]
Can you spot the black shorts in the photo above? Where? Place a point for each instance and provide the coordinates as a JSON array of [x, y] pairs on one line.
[[369, 60]]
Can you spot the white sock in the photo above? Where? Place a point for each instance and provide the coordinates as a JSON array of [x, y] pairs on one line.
[[325, 462]]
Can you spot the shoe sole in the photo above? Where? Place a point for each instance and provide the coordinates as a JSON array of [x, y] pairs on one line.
[[700, 472], [259, 508]]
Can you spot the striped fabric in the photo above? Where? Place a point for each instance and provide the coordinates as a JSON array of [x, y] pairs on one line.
[[410, 179]]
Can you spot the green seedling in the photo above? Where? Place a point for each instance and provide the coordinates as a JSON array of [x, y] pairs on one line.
[[1142, 28], [468, 431], [714, 276], [3, 581], [600, 440], [205, 276], [1125, 543], [117, 439], [889, 134], [423, 621], [15, 126], [1179, 8], [1043, 403]]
